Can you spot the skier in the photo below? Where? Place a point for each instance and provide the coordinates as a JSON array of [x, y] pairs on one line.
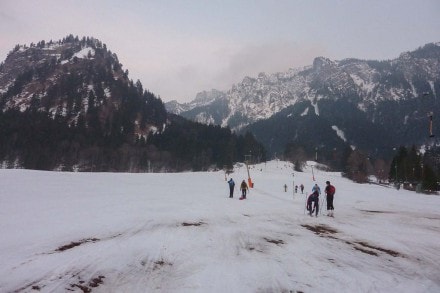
[[296, 188], [330, 192], [316, 188], [231, 188], [302, 188], [243, 188], [313, 198]]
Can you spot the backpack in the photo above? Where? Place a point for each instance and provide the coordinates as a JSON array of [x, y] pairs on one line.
[[331, 190]]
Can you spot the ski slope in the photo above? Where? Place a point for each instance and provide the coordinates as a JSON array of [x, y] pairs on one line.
[[118, 232]]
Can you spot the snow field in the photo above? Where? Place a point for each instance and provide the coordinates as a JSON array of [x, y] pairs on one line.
[[113, 232]]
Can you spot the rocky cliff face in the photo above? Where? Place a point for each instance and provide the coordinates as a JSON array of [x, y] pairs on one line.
[[76, 79], [391, 97]]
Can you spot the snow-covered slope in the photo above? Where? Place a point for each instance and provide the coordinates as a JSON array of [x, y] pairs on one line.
[[107, 232]]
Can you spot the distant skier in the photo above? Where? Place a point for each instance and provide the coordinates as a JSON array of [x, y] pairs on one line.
[[244, 188], [296, 188], [302, 188], [330, 192], [231, 188], [313, 199]]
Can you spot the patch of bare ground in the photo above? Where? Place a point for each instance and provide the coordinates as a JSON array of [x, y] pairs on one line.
[[362, 246], [274, 241], [376, 212], [320, 229], [156, 265], [32, 285], [387, 251], [93, 283], [186, 224], [160, 263], [370, 252], [76, 243]]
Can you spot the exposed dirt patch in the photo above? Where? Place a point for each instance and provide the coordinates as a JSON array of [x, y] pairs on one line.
[[93, 283], [161, 263], [274, 241], [362, 246], [376, 212], [387, 251], [83, 288], [370, 252], [321, 229], [76, 243], [32, 285], [186, 224], [250, 247]]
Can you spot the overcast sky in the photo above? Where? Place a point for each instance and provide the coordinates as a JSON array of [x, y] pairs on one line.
[[179, 48]]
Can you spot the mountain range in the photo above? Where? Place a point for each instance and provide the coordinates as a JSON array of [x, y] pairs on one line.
[[369, 105], [69, 105]]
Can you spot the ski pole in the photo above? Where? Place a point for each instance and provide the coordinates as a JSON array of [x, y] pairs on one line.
[[305, 205]]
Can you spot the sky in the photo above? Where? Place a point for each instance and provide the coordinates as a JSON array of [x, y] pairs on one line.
[[179, 48], [121, 232]]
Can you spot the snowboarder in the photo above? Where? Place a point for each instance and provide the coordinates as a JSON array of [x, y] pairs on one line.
[[330, 192], [243, 188], [313, 198], [231, 188], [302, 188]]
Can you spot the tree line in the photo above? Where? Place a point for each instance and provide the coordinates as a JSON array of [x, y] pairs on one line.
[[408, 167]]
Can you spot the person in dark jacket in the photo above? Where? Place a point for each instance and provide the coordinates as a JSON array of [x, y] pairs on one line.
[[313, 199], [244, 188], [231, 188], [330, 192]]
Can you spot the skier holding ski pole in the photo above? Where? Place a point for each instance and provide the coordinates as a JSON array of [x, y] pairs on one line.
[[330, 191], [313, 199]]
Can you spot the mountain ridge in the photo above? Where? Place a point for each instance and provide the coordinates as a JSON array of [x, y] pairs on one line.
[[409, 83], [69, 105]]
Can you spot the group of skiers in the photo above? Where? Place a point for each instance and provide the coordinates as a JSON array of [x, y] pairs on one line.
[[314, 199], [312, 203], [302, 188]]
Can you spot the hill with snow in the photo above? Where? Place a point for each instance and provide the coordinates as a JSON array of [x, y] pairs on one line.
[[118, 232]]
